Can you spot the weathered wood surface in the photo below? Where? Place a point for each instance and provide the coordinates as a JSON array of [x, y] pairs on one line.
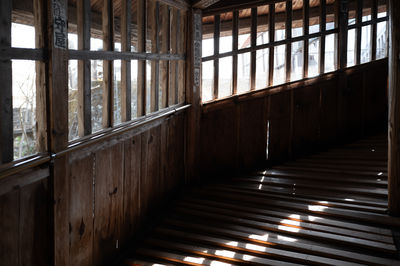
[[294, 120], [279, 216]]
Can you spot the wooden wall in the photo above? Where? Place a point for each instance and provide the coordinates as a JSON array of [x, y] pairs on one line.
[[297, 118], [102, 194]]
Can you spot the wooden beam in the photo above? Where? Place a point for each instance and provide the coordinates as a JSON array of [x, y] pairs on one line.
[[271, 39], [108, 66], [84, 77], [358, 32], [153, 9], [202, 4], [374, 12], [172, 93], [394, 110], [306, 21], [182, 50], [322, 41], [342, 39], [235, 43], [141, 78], [126, 93], [41, 39], [288, 28], [177, 40], [6, 110], [217, 25], [164, 65], [253, 57]]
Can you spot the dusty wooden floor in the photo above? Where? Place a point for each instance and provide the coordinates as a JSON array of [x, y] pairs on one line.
[[326, 209]]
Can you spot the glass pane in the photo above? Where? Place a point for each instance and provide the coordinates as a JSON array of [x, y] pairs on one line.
[[297, 60], [148, 85], [330, 53], [117, 92], [313, 57], [225, 77], [262, 25], [280, 11], [24, 107], [134, 26], [207, 80], [297, 15], [134, 85], [244, 28], [262, 68], [22, 29], [225, 40], [279, 64], [382, 8], [97, 94], [366, 44], [331, 22], [208, 36], [243, 78], [381, 40], [73, 99], [314, 16], [351, 47], [367, 10]]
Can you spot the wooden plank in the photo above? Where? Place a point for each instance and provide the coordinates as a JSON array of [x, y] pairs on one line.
[[21, 179], [108, 66], [235, 43], [141, 78], [6, 111], [217, 25], [253, 55], [182, 66], [322, 40], [9, 228], [41, 103], [177, 37], [394, 111], [306, 30], [34, 229], [288, 34], [271, 39], [164, 65], [81, 210], [84, 76], [202, 4], [108, 205], [126, 90], [131, 198]]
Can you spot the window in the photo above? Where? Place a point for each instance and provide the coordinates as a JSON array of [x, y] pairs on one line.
[[255, 48]]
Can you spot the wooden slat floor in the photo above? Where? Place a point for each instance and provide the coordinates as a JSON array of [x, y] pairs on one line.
[[326, 209]]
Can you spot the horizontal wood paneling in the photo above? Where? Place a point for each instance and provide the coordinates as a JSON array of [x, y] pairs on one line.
[[303, 117]]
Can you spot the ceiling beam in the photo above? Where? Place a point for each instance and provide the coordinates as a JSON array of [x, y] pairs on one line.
[[202, 4]]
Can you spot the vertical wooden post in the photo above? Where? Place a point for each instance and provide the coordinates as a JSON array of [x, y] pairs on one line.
[[173, 64], [58, 125], [358, 31], [164, 65], [141, 78], [84, 78], [374, 12], [272, 48], [126, 110], [343, 27], [306, 22], [394, 109], [152, 9], [41, 39], [235, 43], [193, 95], [253, 44], [322, 42], [108, 66], [288, 28], [177, 40], [217, 25], [6, 110]]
